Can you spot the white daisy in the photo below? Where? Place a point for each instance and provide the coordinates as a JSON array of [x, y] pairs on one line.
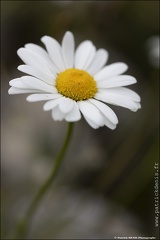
[[75, 82]]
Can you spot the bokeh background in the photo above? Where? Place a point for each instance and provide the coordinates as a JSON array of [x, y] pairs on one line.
[[105, 186]]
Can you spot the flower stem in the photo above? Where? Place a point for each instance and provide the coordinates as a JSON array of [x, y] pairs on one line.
[[23, 225]]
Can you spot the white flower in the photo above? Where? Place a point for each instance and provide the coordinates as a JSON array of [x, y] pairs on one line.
[[75, 81]]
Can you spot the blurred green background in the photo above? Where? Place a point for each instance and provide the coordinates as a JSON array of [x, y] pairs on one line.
[[105, 187]]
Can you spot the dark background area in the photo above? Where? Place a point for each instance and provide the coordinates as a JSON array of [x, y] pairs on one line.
[[105, 187]]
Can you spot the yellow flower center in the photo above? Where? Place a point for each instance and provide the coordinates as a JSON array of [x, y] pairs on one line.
[[76, 84]]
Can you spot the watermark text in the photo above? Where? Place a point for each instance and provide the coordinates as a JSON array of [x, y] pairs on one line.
[[156, 194]]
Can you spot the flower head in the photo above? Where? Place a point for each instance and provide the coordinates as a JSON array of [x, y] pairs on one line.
[[75, 82]]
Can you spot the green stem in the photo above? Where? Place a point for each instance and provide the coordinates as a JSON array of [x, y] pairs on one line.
[[24, 224]]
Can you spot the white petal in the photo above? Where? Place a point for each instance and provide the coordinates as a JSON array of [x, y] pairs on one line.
[[90, 112], [110, 71], [92, 124], [98, 62], [138, 105], [51, 104], [118, 100], [42, 97], [57, 115], [90, 58], [68, 49], [130, 93], [106, 111], [73, 115], [84, 55], [44, 76], [55, 53], [33, 59], [41, 52], [124, 92], [17, 83], [14, 90], [66, 105], [35, 83], [37, 49], [118, 81], [109, 124]]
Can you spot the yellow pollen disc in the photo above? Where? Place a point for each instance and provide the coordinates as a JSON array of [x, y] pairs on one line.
[[76, 84]]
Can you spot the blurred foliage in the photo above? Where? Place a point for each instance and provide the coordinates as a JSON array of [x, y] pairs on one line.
[[117, 165]]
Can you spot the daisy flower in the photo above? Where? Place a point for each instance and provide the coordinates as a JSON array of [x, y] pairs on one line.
[[75, 82]]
